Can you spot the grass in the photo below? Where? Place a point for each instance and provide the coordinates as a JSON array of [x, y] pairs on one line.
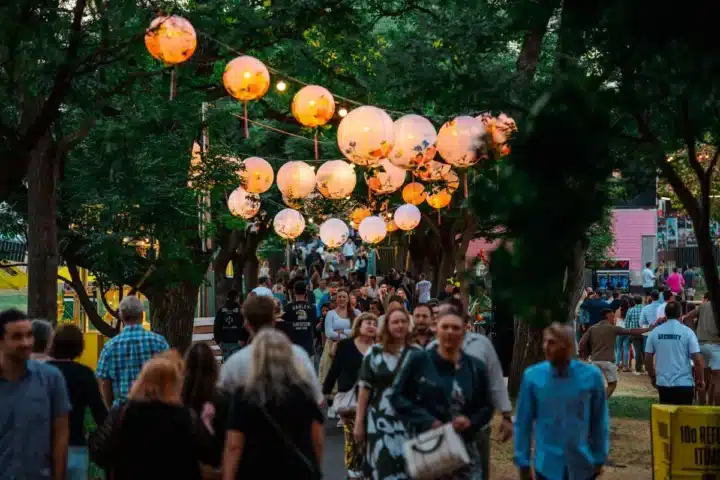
[[636, 408], [13, 299]]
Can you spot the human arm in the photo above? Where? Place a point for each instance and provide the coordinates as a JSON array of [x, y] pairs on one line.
[[649, 359], [234, 446], [632, 331], [330, 331], [103, 373], [499, 392], [403, 396], [217, 327], [599, 422], [318, 439], [698, 361], [525, 413], [691, 318], [95, 399], [584, 344], [106, 392]]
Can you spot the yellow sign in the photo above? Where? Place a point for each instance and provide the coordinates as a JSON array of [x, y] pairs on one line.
[[686, 442]]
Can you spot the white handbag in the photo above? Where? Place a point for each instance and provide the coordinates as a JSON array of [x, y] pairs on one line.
[[437, 452], [345, 403]]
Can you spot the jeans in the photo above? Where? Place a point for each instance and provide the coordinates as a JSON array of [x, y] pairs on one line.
[[638, 344], [622, 350], [77, 466]]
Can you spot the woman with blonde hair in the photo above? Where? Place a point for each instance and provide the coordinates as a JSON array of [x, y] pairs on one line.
[[154, 435], [344, 370], [276, 427], [376, 423]]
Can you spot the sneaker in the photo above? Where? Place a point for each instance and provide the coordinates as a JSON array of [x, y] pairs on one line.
[[636, 373], [331, 413]]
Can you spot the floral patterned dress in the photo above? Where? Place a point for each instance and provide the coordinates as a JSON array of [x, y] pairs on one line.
[[385, 432]]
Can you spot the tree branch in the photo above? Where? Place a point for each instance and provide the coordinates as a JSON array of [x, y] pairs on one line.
[[689, 138], [103, 291], [89, 308]]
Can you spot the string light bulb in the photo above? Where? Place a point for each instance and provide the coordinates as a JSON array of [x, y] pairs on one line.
[[343, 112], [281, 86]]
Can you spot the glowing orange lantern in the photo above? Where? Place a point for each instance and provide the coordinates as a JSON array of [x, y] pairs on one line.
[[171, 40], [246, 78], [414, 193], [391, 226], [313, 106], [358, 215], [439, 200], [257, 174]]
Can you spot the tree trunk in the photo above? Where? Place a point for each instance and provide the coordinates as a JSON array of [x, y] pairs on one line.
[[222, 284], [43, 255], [250, 270], [575, 283], [527, 350], [172, 313], [709, 267]]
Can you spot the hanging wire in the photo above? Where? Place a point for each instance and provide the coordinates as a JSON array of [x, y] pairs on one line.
[[278, 130]]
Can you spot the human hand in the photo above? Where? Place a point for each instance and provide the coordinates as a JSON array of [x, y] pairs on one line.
[[461, 423], [506, 430], [700, 385], [207, 416], [359, 433]]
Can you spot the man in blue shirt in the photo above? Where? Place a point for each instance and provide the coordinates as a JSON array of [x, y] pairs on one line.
[[563, 411], [649, 311], [674, 346], [594, 306], [648, 278], [34, 407]]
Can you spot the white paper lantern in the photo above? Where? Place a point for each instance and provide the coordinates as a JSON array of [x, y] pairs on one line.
[[257, 175], [243, 204], [459, 140], [296, 180], [407, 217], [387, 178], [373, 230], [334, 232], [415, 139], [335, 179], [365, 135], [289, 223]]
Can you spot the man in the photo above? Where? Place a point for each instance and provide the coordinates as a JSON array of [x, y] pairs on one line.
[[562, 409], [422, 319], [321, 291], [228, 330], [615, 302], [632, 321], [313, 258], [649, 312], [648, 278], [262, 289], [689, 277], [258, 312], [373, 289], [674, 345], [708, 336], [594, 306], [660, 313], [124, 355], [479, 346], [599, 342], [42, 331], [434, 305], [423, 289], [675, 282], [34, 407], [299, 319], [363, 299]]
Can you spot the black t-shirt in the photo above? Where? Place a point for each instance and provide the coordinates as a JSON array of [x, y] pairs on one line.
[[84, 392], [267, 454], [228, 326], [299, 324]]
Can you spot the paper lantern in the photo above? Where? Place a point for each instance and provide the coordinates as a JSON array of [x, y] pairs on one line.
[[334, 232], [295, 203], [414, 193], [439, 200], [407, 217], [257, 175], [289, 223], [434, 171], [243, 204], [313, 106], [246, 78], [335, 179], [386, 179], [358, 215], [459, 140], [414, 144], [391, 226], [365, 135], [373, 230], [171, 40], [296, 180]]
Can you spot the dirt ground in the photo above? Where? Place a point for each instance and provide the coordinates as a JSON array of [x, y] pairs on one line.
[[630, 445]]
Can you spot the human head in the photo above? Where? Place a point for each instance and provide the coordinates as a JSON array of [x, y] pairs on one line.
[[376, 308], [353, 300], [450, 328], [673, 310], [200, 376], [654, 295], [334, 287], [558, 343], [233, 296], [373, 281], [422, 317], [395, 302], [422, 276], [616, 293], [262, 281], [16, 336], [160, 379], [259, 312], [322, 284], [648, 265], [363, 292], [131, 310], [300, 289], [396, 327], [608, 314], [364, 325], [342, 298], [42, 333], [669, 296], [675, 270], [401, 293], [67, 342], [638, 300]]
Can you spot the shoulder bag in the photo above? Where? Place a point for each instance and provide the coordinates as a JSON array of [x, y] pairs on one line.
[[437, 452]]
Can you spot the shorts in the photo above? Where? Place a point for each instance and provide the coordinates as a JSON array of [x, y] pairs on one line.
[[608, 369], [690, 292], [348, 257], [711, 354]]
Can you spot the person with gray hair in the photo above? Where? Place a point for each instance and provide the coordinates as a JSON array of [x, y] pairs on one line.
[[124, 355], [42, 331]]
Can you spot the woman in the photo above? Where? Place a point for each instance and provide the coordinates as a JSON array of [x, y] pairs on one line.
[[338, 325], [375, 421], [361, 266], [354, 302], [199, 389], [444, 385], [66, 345], [276, 426], [344, 369], [394, 302], [264, 270], [154, 435], [280, 292], [622, 342]]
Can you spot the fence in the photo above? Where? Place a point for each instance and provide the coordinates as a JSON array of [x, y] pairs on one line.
[[12, 250]]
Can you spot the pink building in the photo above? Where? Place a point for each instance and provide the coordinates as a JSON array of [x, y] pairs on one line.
[[635, 231]]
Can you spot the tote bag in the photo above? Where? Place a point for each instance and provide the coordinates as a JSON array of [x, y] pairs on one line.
[[345, 403], [437, 452]]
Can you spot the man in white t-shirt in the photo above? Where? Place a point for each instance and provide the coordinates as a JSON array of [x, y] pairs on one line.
[[673, 346], [262, 289], [648, 278], [423, 288], [669, 297]]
